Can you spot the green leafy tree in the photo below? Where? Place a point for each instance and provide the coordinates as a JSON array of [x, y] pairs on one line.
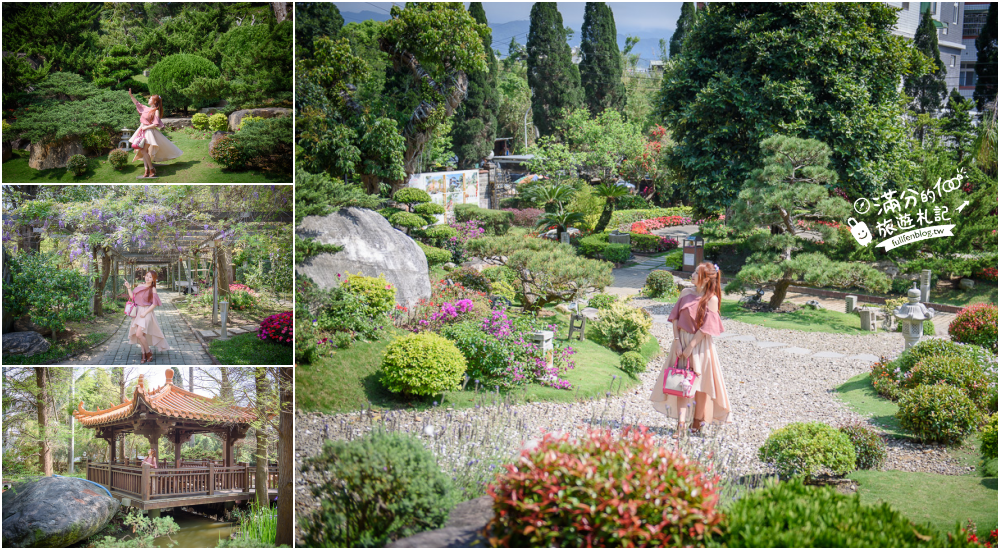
[[956, 124], [986, 61], [256, 62], [793, 186], [684, 22], [735, 84], [122, 30], [171, 77], [601, 64], [552, 76], [50, 296], [927, 90], [514, 103], [315, 20], [603, 142], [610, 192], [474, 126]]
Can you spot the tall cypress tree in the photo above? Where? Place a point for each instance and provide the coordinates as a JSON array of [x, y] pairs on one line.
[[684, 23], [475, 124], [552, 76], [601, 66], [929, 90], [986, 61]]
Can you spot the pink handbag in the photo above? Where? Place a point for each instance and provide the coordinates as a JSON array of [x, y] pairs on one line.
[[130, 308], [678, 381]]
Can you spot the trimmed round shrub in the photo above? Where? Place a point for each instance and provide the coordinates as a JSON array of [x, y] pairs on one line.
[[487, 357], [411, 195], [938, 414], [960, 372], [226, 153], [422, 364], [622, 327], [173, 74], [633, 362], [617, 253], [885, 379], [869, 447], [277, 328], [77, 164], [806, 448], [439, 231], [470, 278], [429, 209], [407, 220], [435, 255], [218, 122], [792, 514], [976, 324], [659, 283], [937, 347], [988, 437], [199, 121], [602, 301], [376, 489], [603, 490], [378, 294], [118, 158], [248, 121]]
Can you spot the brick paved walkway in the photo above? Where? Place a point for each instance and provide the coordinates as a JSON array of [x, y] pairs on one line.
[[184, 346]]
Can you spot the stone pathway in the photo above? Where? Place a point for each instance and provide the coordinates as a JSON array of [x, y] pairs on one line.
[[184, 346]]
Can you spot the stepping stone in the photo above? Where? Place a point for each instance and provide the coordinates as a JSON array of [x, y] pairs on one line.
[[725, 335], [769, 344], [743, 338], [864, 357], [208, 334], [662, 319], [237, 330], [828, 355], [797, 351]]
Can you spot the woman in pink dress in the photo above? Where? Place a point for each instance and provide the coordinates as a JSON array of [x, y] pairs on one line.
[[144, 329], [696, 320], [149, 143]]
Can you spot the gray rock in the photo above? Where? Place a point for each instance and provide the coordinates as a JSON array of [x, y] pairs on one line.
[[177, 123], [463, 530], [269, 112], [371, 246], [25, 324], [24, 343], [967, 284], [448, 266], [54, 512], [54, 154], [591, 313], [7, 153]]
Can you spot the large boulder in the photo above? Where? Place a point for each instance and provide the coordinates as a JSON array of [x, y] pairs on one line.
[[24, 343], [464, 529], [25, 324], [371, 246], [54, 512], [266, 112], [177, 123], [54, 154]]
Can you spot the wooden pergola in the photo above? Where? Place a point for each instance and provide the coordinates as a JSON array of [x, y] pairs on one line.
[[177, 414]]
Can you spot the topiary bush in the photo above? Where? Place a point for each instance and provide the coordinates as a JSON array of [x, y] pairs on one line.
[[218, 122], [376, 489], [988, 439], [632, 362], [407, 220], [976, 324], [199, 121], [792, 514], [378, 294], [603, 490], [938, 347], [439, 232], [118, 158], [938, 414], [602, 301], [617, 253], [171, 77], [805, 448], [622, 327], [659, 283], [226, 153], [434, 255], [249, 120], [411, 196], [960, 372], [422, 364], [869, 447], [77, 165]]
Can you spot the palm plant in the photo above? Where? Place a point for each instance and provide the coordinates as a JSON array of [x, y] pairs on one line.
[[610, 192], [557, 194], [562, 220]]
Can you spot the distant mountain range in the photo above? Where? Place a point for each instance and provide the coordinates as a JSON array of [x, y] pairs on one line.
[[648, 46]]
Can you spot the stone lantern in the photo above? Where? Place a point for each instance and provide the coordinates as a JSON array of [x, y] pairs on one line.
[[911, 317], [126, 135]]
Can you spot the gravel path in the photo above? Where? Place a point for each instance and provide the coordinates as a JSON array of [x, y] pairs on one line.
[[768, 388]]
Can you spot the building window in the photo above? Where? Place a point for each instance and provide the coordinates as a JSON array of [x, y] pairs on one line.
[[954, 13], [944, 31], [934, 8], [968, 78], [953, 58], [973, 23], [906, 6]]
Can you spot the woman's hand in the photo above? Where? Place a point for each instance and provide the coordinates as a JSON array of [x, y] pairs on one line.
[[127, 285], [677, 347]]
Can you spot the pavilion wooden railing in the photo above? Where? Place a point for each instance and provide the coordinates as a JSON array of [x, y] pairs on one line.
[[149, 483]]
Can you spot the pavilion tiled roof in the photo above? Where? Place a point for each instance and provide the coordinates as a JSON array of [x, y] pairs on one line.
[[168, 400]]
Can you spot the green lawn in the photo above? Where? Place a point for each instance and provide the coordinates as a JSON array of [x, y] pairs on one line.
[[985, 292], [248, 349], [194, 166], [940, 500], [808, 320], [348, 380], [861, 396]]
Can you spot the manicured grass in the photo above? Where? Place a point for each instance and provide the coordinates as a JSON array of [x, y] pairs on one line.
[[58, 350], [940, 500], [861, 396], [248, 349], [348, 380], [807, 320], [194, 166], [985, 292]]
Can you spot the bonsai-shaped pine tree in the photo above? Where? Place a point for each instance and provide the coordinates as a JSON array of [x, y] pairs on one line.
[[420, 210], [791, 187]]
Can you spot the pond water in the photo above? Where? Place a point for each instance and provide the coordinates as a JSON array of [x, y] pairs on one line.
[[195, 531]]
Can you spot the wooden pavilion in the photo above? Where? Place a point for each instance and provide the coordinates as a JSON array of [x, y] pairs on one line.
[[177, 414]]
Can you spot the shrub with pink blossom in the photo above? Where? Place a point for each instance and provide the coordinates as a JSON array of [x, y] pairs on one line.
[[278, 328], [976, 324], [525, 217], [646, 227]]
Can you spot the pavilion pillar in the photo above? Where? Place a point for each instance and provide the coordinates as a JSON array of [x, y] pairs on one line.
[[228, 456], [177, 449], [111, 443]]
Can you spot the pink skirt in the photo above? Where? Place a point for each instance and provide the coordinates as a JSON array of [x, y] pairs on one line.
[[160, 148], [154, 336], [705, 360]]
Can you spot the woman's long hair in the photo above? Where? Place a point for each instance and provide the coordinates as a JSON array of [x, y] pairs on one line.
[[149, 291], [712, 276], [158, 104]]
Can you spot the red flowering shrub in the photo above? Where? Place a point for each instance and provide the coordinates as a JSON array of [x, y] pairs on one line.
[[976, 324], [987, 274], [526, 217], [603, 490], [645, 227], [277, 327]]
